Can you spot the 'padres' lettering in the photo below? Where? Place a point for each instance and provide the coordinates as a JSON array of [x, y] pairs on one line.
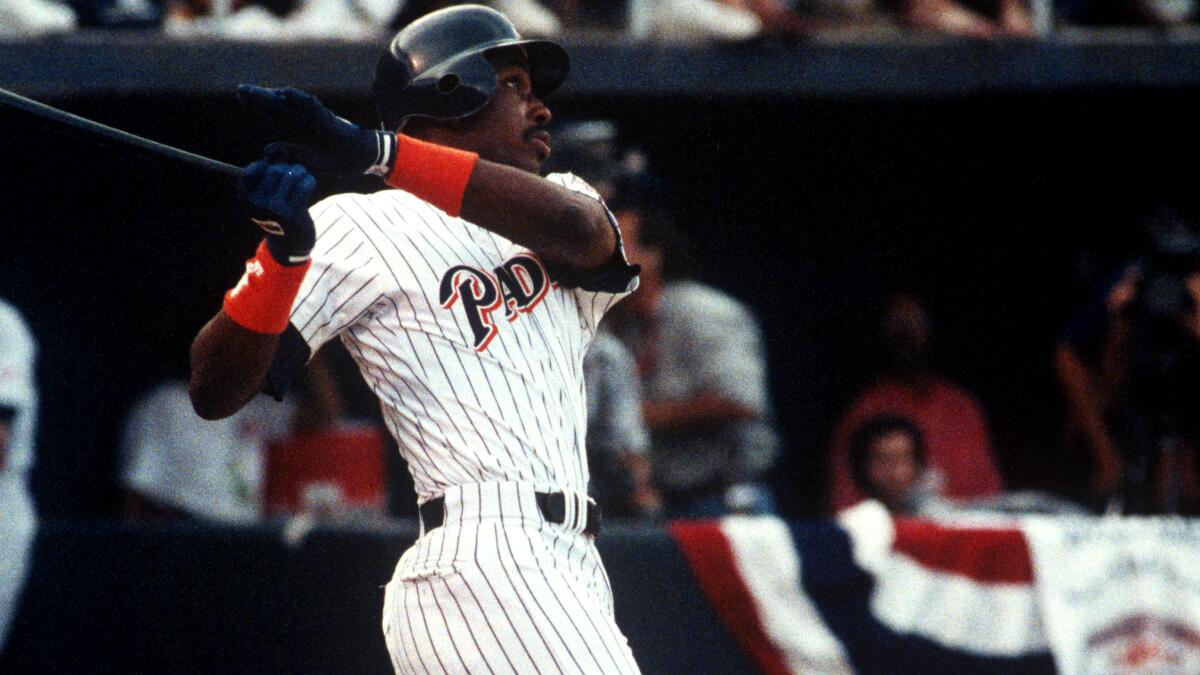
[[519, 283], [480, 297], [522, 284]]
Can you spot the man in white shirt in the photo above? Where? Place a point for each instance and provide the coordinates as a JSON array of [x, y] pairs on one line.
[[18, 427]]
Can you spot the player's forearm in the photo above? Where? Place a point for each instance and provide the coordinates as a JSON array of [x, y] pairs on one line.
[[232, 353], [560, 225], [229, 364]]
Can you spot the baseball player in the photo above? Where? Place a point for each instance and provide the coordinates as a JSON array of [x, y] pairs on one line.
[[18, 423], [468, 296]]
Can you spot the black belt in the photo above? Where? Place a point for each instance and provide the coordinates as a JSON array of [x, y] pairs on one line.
[[553, 506]]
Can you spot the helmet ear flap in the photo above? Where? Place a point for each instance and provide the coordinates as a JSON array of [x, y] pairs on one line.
[[392, 75], [452, 91]]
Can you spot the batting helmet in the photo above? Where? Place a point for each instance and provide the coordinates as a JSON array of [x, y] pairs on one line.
[[437, 66]]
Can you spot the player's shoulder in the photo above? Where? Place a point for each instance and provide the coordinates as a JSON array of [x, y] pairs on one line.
[[388, 207]]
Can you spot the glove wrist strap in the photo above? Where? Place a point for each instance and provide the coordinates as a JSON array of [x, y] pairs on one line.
[[262, 300], [277, 247], [385, 153], [435, 173]]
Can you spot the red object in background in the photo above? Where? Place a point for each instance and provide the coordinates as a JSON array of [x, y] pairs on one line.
[[339, 468]]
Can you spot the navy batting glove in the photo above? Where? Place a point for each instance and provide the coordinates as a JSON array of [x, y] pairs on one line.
[[342, 148], [276, 197]]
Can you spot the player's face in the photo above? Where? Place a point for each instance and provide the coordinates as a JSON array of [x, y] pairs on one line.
[[511, 128]]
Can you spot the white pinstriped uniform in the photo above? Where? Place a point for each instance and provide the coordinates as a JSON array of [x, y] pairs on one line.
[[476, 357]]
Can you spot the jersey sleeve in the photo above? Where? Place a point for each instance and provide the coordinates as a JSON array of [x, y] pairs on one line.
[[342, 285], [597, 291]]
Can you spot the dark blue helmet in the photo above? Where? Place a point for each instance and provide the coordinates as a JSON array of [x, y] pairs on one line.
[[437, 67]]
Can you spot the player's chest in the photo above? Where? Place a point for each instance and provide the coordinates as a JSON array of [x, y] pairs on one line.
[[477, 294]]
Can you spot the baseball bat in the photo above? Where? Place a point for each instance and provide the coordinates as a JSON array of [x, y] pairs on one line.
[[115, 136]]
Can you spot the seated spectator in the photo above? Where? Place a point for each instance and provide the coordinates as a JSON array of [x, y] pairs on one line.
[[531, 18], [703, 374], [949, 418], [280, 20], [1099, 13], [617, 439], [29, 19], [801, 19], [887, 463], [997, 19], [688, 21], [177, 465]]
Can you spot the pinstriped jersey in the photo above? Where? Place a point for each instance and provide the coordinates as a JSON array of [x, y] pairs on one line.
[[472, 345]]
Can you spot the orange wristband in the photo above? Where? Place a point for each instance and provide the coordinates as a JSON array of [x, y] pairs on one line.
[[262, 300], [435, 173]]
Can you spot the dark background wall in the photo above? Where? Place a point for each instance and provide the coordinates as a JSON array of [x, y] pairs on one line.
[[808, 210]]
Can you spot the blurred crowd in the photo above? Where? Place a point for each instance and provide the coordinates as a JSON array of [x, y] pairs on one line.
[[669, 21]]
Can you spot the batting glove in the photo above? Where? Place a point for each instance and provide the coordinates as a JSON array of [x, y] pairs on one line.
[[342, 147], [276, 197]]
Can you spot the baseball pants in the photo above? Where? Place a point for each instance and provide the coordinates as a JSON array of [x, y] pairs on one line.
[[497, 589]]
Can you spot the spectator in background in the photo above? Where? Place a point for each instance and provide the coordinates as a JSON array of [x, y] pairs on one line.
[[177, 465], [28, 19], [703, 373], [1099, 13], [617, 439], [982, 20], [1129, 366], [691, 21], [802, 19], [18, 428], [887, 463], [959, 451]]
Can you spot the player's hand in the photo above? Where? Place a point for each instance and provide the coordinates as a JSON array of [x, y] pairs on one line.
[[277, 196], [342, 148]]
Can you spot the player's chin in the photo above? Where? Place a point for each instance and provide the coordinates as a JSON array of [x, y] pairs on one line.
[[531, 163]]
